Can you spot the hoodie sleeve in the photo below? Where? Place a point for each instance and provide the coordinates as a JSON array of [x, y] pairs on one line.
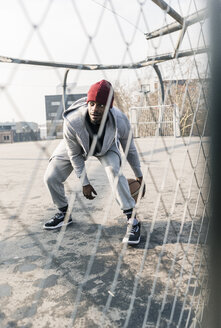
[[75, 153], [125, 133]]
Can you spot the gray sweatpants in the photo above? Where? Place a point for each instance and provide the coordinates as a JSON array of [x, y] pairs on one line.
[[59, 168]]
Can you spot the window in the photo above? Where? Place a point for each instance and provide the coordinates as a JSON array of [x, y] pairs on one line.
[[55, 103], [6, 137], [53, 114]]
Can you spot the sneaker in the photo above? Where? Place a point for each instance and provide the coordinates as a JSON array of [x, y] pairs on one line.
[[57, 221], [132, 236]]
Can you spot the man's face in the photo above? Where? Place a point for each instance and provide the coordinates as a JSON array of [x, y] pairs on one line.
[[95, 112]]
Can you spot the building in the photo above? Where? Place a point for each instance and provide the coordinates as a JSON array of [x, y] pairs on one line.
[[26, 131], [54, 110], [7, 132], [19, 131]]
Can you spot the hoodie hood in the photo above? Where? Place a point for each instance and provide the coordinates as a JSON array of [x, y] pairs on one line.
[[78, 103]]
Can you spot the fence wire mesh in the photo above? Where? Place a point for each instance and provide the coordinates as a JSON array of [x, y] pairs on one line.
[[155, 55]]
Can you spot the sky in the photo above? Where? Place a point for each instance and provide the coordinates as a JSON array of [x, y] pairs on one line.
[[82, 32]]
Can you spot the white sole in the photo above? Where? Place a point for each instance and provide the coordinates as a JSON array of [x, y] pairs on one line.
[[125, 241], [57, 226]]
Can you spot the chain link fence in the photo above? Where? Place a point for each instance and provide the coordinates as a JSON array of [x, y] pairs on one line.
[[82, 276]]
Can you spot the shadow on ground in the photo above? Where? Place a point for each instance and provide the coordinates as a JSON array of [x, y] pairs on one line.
[[45, 283]]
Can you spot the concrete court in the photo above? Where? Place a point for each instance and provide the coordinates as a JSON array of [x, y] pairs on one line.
[[84, 277]]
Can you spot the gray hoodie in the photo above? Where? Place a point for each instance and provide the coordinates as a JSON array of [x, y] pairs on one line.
[[76, 137]]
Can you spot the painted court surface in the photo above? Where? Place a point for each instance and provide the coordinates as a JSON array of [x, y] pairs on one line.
[[83, 276]]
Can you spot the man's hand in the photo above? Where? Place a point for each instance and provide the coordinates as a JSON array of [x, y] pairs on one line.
[[140, 179], [88, 190]]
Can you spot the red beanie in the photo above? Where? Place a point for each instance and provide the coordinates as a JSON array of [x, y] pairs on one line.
[[99, 93]]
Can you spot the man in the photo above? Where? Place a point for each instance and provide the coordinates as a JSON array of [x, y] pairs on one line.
[[93, 127]]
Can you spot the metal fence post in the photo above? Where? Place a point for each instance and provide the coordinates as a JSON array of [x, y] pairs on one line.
[[133, 121], [176, 121], [215, 110]]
